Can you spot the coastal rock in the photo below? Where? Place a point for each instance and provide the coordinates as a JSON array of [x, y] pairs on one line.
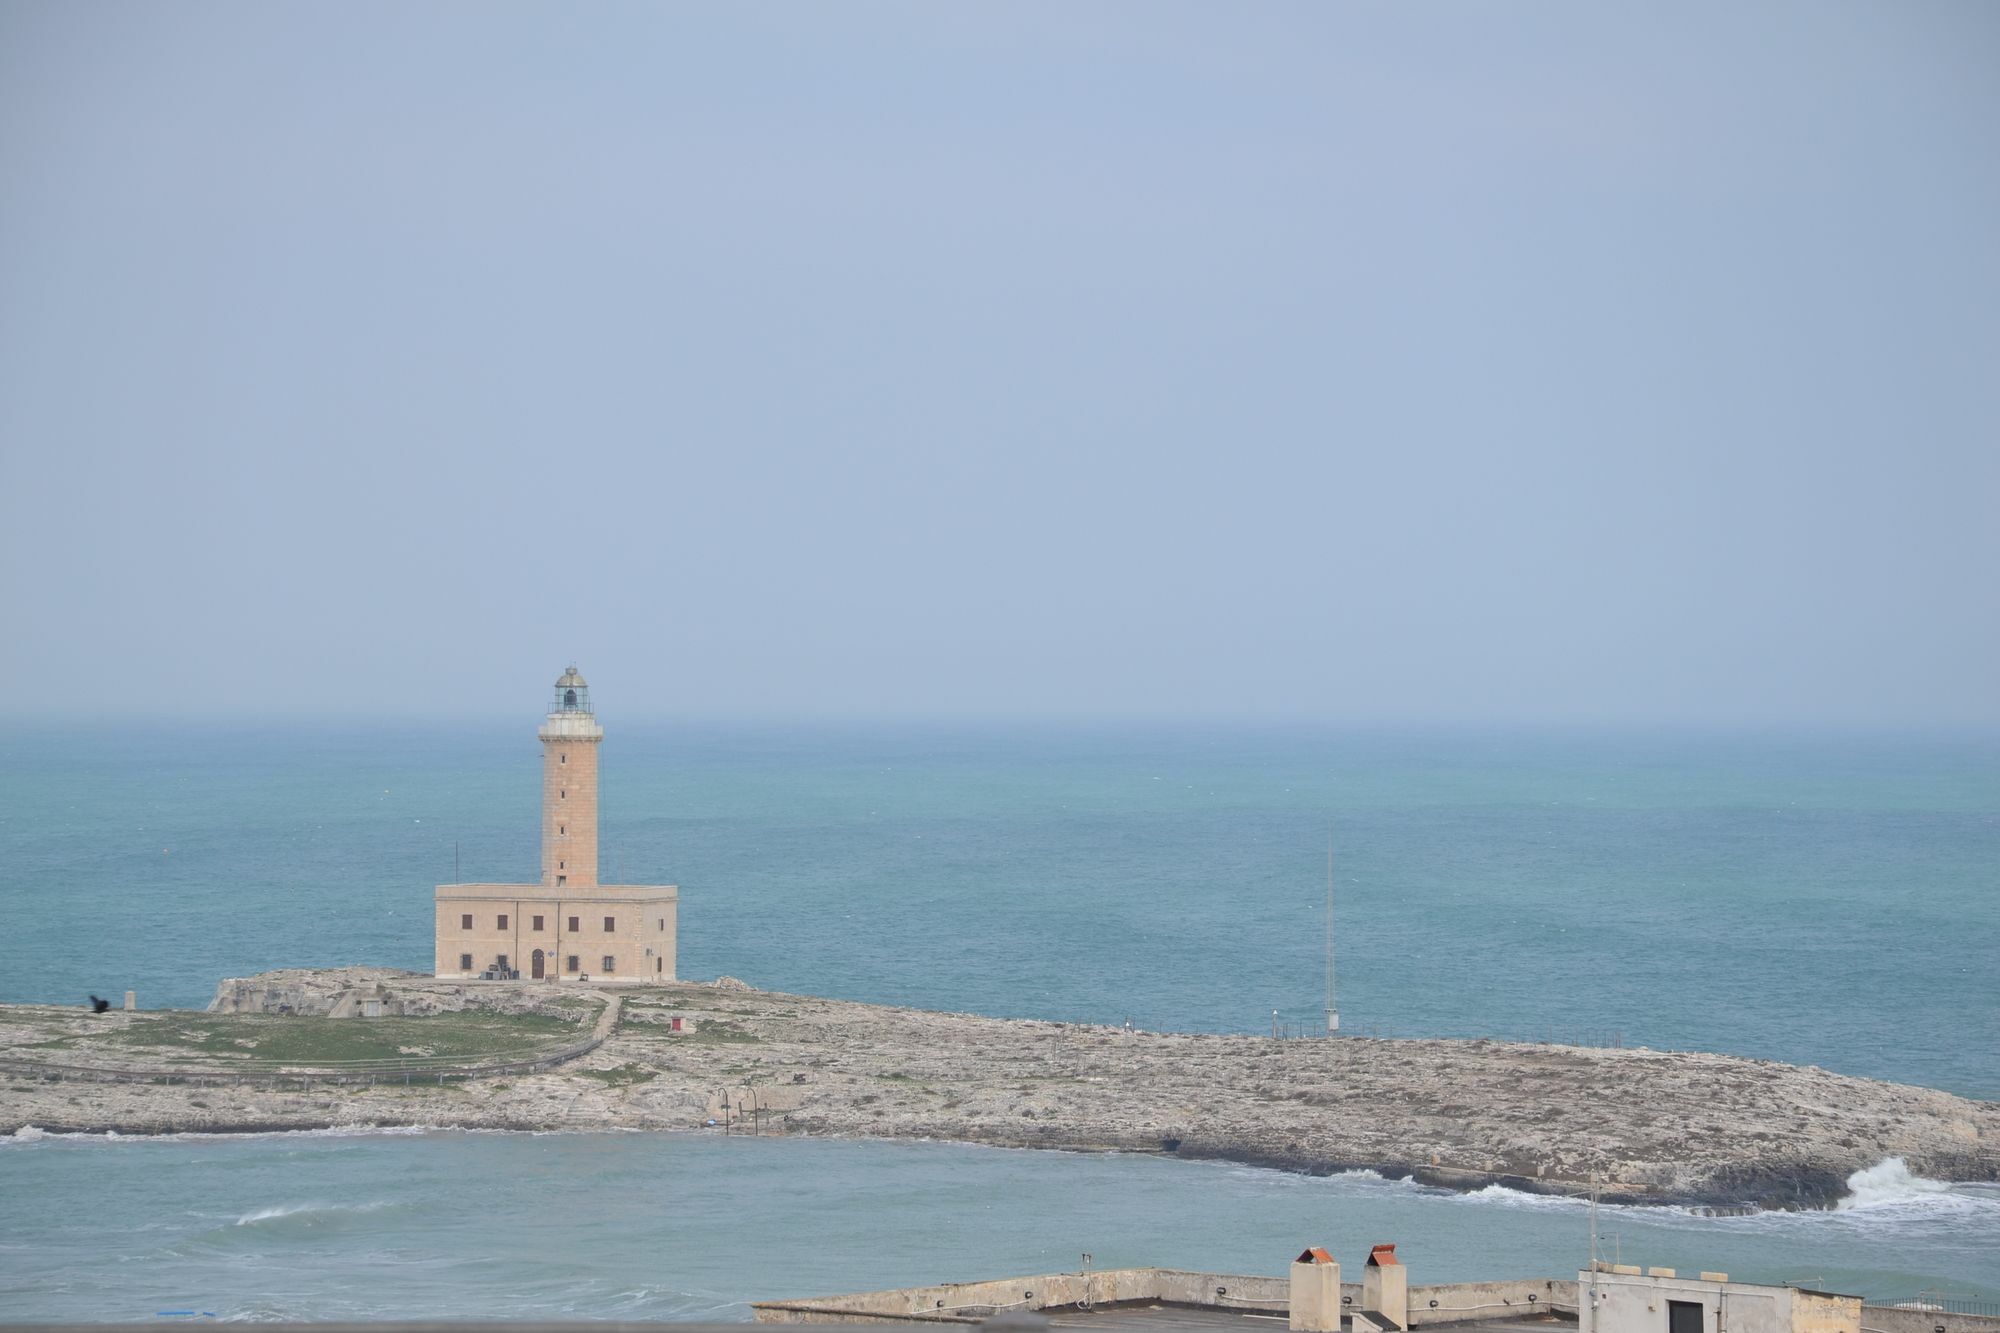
[[1712, 1131]]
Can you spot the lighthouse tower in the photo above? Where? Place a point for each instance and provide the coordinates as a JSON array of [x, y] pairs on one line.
[[567, 927], [570, 738]]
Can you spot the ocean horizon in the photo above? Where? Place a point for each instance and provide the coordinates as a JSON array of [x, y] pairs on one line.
[[1816, 899], [1828, 899]]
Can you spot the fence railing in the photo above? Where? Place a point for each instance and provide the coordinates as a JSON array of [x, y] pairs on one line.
[[1942, 1304]]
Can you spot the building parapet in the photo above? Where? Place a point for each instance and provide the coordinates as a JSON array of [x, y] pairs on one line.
[[543, 893], [972, 1302], [570, 727]]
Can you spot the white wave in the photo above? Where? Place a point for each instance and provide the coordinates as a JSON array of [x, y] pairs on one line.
[[284, 1210], [1513, 1198], [1888, 1193], [1889, 1183], [32, 1134]]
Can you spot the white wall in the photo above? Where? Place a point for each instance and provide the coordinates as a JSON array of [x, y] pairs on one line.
[[1629, 1303]]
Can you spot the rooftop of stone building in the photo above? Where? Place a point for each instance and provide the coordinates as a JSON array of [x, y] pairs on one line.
[[1180, 1299], [1142, 1317]]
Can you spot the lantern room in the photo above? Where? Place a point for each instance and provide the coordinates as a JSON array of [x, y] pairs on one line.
[[572, 695]]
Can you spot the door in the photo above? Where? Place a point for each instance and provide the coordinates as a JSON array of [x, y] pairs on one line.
[[535, 963], [1683, 1317]]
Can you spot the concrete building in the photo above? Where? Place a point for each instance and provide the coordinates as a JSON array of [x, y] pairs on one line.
[[568, 927], [1610, 1298], [1622, 1298]]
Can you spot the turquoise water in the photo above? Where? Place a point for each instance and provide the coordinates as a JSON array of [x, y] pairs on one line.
[[1823, 900], [1830, 901], [674, 1226]]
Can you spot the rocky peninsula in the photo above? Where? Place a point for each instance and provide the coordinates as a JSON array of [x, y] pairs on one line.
[[367, 1047]]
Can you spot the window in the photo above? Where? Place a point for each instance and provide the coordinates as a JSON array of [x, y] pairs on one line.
[[562, 865], [576, 923], [562, 796], [610, 924], [465, 962], [538, 923], [562, 830], [503, 921], [609, 962], [562, 759], [561, 880], [502, 963], [572, 962], [465, 922], [659, 964], [663, 923]]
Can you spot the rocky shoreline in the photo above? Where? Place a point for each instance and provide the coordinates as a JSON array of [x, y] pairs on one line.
[[1684, 1129]]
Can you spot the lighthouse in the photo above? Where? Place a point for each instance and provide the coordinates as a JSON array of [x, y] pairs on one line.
[[567, 927], [570, 737]]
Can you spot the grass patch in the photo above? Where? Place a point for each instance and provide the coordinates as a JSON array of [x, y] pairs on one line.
[[715, 1032], [262, 1040], [624, 1076], [37, 1014]]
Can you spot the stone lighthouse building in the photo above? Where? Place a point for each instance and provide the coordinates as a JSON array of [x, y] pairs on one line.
[[568, 927]]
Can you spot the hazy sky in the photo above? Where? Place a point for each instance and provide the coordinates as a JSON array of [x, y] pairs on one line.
[[1515, 362]]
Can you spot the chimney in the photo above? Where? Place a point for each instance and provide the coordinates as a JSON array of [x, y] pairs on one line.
[[1316, 1292], [1385, 1287]]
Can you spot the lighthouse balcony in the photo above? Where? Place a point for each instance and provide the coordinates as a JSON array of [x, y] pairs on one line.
[[570, 727]]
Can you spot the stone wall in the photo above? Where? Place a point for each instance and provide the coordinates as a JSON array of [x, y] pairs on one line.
[[1454, 1302], [310, 992], [974, 1301]]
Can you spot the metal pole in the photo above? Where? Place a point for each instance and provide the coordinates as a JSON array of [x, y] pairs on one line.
[[1332, 1006], [1588, 1301]]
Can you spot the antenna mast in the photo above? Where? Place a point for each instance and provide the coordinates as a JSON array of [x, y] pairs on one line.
[[1589, 1301], [1332, 1009]]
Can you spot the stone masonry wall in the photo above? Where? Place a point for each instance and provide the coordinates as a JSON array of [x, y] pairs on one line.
[[569, 812]]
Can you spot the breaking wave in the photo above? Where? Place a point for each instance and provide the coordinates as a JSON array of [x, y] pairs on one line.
[[36, 1134], [1513, 1198], [308, 1211], [1888, 1184]]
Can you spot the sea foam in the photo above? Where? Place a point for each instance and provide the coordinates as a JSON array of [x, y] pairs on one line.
[[1888, 1183], [280, 1212]]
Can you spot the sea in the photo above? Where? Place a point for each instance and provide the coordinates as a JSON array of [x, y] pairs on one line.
[[1822, 899]]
